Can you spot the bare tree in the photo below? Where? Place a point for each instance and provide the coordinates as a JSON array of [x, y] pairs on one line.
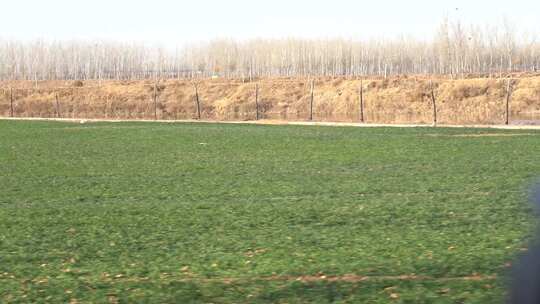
[[454, 50]]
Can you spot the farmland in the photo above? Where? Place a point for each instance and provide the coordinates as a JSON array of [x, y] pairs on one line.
[[214, 213]]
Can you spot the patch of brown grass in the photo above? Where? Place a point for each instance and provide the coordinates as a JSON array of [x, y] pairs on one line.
[[401, 100]]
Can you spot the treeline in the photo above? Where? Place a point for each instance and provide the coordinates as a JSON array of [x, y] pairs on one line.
[[455, 50]]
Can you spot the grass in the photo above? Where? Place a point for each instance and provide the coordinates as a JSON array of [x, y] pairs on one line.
[[193, 213], [393, 100]]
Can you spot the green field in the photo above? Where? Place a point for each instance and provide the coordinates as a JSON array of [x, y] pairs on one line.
[[212, 213]]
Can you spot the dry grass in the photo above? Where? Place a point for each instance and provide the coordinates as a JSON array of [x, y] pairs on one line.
[[395, 100]]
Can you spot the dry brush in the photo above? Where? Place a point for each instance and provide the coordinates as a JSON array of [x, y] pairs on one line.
[[391, 100]]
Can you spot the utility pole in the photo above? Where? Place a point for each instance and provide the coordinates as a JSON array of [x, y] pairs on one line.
[[57, 106], [257, 100], [197, 101], [155, 101], [362, 101], [11, 101], [311, 100], [434, 103], [508, 97]]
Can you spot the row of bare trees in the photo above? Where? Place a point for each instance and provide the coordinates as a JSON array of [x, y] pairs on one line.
[[455, 50]]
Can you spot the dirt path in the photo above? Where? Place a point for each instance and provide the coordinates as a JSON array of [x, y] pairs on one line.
[[281, 122], [353, 278], [349, 278]]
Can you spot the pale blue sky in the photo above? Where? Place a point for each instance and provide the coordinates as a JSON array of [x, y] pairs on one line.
[[174, 22]]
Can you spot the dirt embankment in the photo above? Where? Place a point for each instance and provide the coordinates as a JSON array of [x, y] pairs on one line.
[[396, 100]]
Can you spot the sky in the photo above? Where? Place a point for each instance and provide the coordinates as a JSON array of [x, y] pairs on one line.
[[167, 22]]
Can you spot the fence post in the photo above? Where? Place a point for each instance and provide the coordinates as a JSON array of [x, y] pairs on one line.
[[311, 100], [362, 101], [57, 105], [11, 102], [197, 101], [257, 99], [106, 110], [155, 101], [434, 103], [508, 96]]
